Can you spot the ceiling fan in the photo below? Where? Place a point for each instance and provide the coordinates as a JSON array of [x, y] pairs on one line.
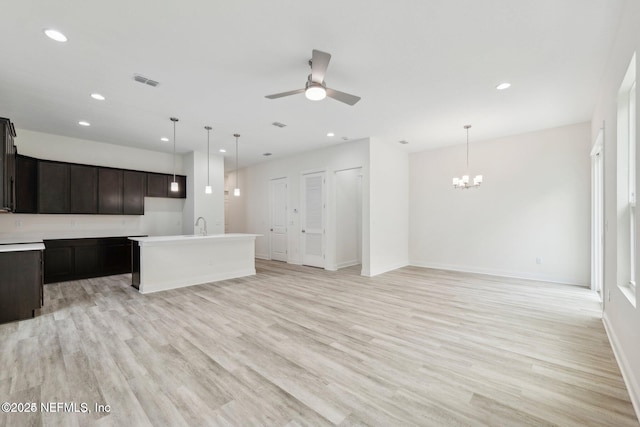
[[316, 89]]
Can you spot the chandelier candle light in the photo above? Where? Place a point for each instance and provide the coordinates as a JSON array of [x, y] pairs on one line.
[[464, 181], [174, 183], [207, 189], [236, 191]]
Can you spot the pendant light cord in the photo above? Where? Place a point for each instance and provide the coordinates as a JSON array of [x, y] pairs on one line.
[[236, 135], [208, 128], [467, 128], [174, 120]]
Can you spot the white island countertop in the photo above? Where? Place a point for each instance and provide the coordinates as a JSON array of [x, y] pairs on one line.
[[144, 241]]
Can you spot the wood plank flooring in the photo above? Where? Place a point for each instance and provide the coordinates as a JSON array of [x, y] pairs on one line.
[[295, 346]]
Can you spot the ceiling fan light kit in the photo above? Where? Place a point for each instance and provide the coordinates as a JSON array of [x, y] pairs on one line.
[[315, 92], [315, 88]]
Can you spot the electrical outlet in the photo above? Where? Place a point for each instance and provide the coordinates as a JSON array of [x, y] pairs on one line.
[[18, 224], [539, 260]]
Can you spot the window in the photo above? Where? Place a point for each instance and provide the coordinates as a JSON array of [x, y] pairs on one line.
[[626, 174], [632, 186]]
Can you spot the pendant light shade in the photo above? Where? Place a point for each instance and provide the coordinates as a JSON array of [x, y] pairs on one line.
[[174, 184], [236, 191], [207, 188]]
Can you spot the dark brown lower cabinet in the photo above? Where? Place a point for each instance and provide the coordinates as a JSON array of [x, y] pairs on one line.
[[75, 259], [20, 284]]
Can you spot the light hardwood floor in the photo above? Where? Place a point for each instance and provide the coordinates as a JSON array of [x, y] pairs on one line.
[[301, 346]]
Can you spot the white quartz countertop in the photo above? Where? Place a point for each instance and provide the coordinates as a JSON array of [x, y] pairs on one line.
[[194, 238], [35, 237], [22, 247]]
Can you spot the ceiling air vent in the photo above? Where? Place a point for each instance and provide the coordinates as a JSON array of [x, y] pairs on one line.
[[278, 124], [145, 80]]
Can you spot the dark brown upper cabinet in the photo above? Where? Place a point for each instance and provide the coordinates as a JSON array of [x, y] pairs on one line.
[[110, 191], [157, 184], [135, 185], [7, 165], [83, 191], [53, 187], [26, 185]]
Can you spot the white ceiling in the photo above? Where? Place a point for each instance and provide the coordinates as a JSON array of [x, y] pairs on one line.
[[423, 69]]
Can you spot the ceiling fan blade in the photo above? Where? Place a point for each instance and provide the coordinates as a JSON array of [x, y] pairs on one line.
[[280, 95], [319, 63], [342, 97]]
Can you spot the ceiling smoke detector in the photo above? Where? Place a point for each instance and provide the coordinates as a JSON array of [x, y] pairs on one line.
[[145, 80]]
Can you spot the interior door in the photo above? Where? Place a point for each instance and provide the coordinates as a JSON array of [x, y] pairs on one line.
[[313, 212], [278, 229]]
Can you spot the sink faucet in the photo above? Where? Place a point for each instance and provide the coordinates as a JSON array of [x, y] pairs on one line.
[[204, 228]]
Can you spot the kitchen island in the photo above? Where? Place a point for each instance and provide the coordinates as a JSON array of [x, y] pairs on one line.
[[168, 262]]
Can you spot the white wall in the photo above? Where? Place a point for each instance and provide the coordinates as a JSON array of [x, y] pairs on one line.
[[162, 216], [388, 207], [348, 204], [250, 212], [534, 203], [208, 206], [621, 318]]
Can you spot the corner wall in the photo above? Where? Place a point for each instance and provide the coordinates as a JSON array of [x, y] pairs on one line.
[[534, 204], [621, 318], [389, 207]]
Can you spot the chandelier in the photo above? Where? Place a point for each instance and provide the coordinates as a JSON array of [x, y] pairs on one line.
[[464, 181]]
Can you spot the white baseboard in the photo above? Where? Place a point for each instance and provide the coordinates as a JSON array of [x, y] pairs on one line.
[[263, 256], [348, 263], [501, 273], [386, 268], [632, 383]]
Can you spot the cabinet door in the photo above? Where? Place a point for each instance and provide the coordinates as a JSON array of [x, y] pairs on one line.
[[157, 185], [20, 284], [86, 259], [134, 191], [182, 187], [83, 195], [7, 165], [53, 187], [117, 258], [26, 185], [58, 264], [110, 191]]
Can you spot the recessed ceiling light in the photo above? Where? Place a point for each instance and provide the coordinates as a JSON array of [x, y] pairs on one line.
[[503, 86], [163, 139], [97, 96], [222, 150], [331, 134], [83, 123], [55, 35]]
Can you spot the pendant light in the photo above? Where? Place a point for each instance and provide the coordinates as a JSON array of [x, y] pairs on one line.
[[207, 189], [463, 182], [174, 183], [236, 191]]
